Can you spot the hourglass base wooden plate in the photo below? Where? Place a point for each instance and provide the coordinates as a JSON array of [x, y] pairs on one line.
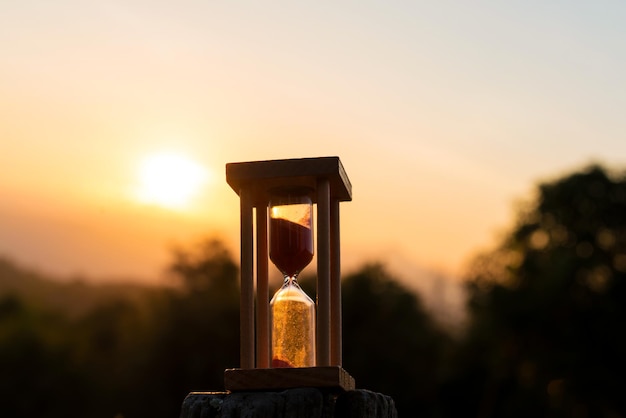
[[327, 377]]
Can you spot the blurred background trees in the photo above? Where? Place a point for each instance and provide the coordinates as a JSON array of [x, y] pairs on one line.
[[544, 334], [390, 343], [548, 307]]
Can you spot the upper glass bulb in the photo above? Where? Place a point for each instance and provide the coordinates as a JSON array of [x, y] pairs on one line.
[[291, 232]]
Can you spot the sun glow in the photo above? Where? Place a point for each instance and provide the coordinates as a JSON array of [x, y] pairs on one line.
[[170, 180]]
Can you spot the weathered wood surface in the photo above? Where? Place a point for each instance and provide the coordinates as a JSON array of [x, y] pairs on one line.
[[330, 377], [291, 403]]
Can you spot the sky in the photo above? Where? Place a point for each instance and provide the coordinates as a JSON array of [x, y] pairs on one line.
[[444, 114]]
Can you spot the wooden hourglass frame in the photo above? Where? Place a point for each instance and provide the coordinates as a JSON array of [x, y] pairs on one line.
[[253, 182]]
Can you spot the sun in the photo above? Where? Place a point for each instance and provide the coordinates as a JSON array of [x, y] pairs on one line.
[[170, 180]]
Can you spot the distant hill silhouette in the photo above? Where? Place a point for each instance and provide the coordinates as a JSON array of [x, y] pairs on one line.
[[74, 298]]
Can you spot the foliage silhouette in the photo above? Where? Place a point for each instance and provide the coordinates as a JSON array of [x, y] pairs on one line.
[[197, 333], [33, 361], [548, 308], [391, 345]]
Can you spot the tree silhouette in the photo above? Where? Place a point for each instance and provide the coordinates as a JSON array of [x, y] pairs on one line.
[[33, 360], [391, 344], [197, 327], [548, 307], [207, 269]]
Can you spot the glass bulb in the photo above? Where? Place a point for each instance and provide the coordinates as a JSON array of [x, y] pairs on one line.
[[292, 312], [293, 327]]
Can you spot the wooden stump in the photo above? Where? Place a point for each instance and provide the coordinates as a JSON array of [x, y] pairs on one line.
[[291, 403]]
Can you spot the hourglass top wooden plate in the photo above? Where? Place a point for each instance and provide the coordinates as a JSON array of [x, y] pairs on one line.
[[262, 176]]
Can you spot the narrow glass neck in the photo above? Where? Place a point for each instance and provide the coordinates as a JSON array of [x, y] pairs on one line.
[[290, 279]]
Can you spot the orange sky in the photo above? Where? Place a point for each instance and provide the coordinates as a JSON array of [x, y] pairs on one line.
[[442, 114]]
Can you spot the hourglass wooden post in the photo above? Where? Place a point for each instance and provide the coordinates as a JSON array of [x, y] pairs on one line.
[[256, 182]]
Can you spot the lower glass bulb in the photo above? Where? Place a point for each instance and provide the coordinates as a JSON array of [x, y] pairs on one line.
[[293, 327]]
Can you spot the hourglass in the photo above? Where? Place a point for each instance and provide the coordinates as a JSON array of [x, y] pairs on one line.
[[290, 341], [292, 312]]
